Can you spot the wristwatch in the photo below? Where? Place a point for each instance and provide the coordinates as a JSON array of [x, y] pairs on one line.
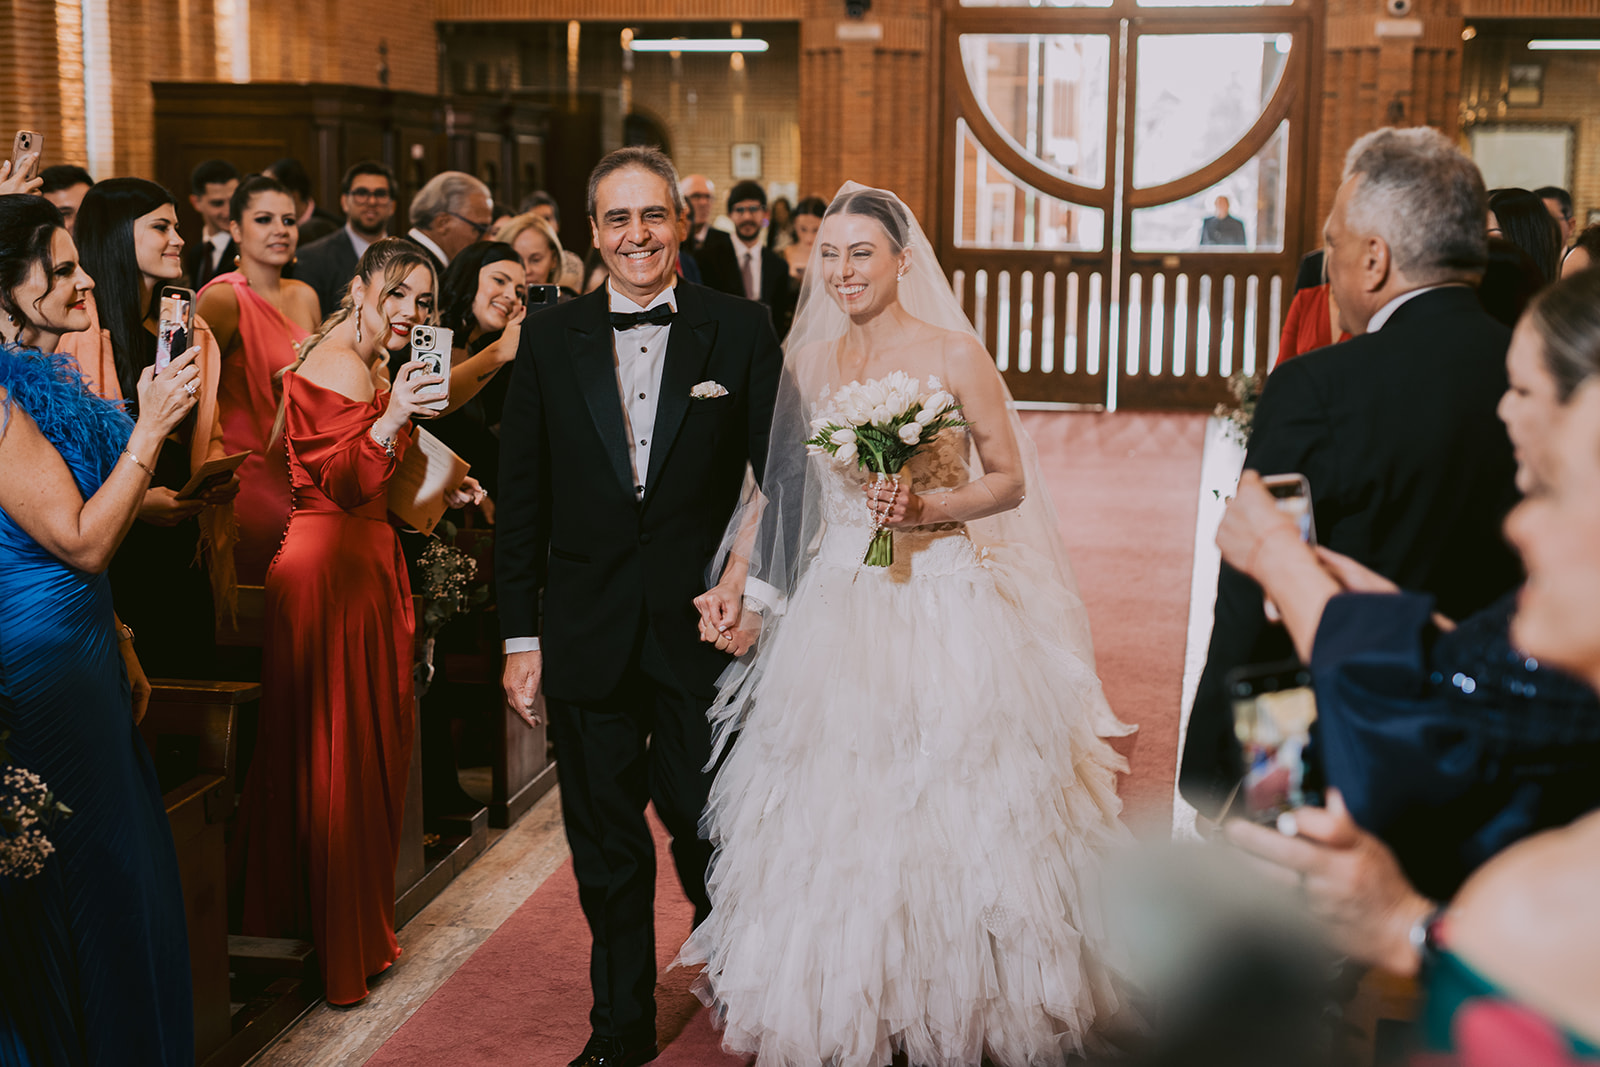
[[1421, 934], [124, 633]]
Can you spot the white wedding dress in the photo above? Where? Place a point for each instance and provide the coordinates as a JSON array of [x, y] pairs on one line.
[[911, 819]]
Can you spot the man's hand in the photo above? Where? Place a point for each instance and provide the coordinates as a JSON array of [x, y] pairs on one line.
[[1352, 576], [1352, 882], [521, 683], [722, 619]]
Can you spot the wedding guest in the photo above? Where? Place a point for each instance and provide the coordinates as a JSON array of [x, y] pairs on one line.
[[780, 225], [64, 186], [318, 829], [1558, 202], [1421, 498], [595, 271], [211, 187], [697, 191], [129, 243], [1221, 228], [95, 945], [258, 317], [1312, 320], [535, 241], [544, 205], [479, 299], [1521, 218], [314, 223], [807, 221], [367, 198], [571, 271], [746, 267], [449, 213], [1510, 280], [688, 266], [1584, 253]]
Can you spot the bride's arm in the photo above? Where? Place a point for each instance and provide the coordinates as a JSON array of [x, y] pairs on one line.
[[971, 375]]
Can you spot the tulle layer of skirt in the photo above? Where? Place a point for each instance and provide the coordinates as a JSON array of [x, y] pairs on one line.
[[911, 820]]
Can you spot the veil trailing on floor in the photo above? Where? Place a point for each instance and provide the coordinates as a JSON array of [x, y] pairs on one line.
[[778, 528]]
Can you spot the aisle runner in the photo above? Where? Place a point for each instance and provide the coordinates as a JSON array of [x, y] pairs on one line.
[[1125, 486]]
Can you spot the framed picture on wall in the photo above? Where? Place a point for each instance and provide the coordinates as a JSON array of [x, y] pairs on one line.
[[746, 161], [1525, 85], [1523, 155]]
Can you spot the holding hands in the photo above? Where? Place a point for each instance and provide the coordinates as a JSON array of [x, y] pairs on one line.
[[723, 623]]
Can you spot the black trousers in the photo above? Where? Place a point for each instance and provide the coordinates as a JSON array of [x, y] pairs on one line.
[[648, 741]]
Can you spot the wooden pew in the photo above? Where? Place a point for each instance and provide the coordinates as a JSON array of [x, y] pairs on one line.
[[192, 731]]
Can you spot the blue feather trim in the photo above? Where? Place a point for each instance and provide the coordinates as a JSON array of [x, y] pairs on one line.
[[50, 388]]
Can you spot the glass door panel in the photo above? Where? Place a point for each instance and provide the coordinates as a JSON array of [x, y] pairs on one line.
[[995, 209], [1257, 198]]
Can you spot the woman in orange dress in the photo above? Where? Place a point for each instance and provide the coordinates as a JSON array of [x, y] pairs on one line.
[[318, 833], [258, 317]]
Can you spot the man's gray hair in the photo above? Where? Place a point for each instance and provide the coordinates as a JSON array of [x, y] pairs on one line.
[[642, 158], [446, 191], [1424, 198]]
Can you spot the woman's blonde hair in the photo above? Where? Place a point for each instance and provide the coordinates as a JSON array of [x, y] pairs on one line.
[[517, 225], [395, 258]]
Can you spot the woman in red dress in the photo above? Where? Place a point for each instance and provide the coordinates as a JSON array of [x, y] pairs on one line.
[[258, 317], [319, 824]]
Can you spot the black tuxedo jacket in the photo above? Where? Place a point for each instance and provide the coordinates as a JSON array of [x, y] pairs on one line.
[[1411, 473], [570, 524], [327, 265], [200, 270], [719, 266]]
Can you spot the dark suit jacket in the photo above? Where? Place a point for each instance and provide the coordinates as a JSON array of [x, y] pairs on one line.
[[719, 266], [200, 269], [319, 225], [569, 524], [1411, 474], [327, 266]]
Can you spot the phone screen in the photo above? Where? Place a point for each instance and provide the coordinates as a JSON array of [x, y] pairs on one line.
[[1292, 495], [176, 326], [1274, 708]]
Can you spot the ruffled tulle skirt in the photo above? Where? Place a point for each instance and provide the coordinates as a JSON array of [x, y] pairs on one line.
[[911, 821]]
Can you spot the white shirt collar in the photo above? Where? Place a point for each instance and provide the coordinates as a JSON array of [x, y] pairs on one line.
[[427, 242], [358, 242], [220, 239], [1385, 313], [668, 296]]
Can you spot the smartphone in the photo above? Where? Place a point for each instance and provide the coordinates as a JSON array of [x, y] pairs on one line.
[[431, 345], [542, 296], [177, 325], [1274, 708], [25, 152], [1292, 494]]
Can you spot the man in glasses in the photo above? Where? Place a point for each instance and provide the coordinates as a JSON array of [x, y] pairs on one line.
[[449, 213], [367, 197]]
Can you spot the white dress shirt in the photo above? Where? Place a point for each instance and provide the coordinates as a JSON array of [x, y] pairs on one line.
[[427, 242], [749, 260], [358, 242], [219, 244], [640, 355], [1385, 313]]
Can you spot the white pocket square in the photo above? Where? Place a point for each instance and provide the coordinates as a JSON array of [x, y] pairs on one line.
[[708, 391]]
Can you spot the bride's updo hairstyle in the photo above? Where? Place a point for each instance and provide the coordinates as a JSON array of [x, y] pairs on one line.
[[879, 206]]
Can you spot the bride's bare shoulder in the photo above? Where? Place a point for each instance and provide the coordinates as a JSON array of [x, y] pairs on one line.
[[963, 353]]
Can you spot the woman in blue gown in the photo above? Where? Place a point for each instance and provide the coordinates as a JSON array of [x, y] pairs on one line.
[[94, 961]]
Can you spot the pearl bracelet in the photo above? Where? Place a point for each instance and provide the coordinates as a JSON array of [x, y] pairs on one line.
[[385, 443]]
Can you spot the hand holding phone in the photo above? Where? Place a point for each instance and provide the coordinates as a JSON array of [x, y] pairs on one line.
[[26, 148], [431, 346], [1274, 708]]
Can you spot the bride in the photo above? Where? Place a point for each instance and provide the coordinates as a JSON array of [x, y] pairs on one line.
[[916, 793]]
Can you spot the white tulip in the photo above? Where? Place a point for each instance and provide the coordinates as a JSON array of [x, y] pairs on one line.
[[882, 415], [873, 394], [856, 412], [843, 437], [911, 432], [846, 453], [926, 415], [815, 450]]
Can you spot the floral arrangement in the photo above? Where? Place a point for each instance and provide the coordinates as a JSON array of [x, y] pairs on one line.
[[1246, 390], [879, 426], [449, 587], [27, 810]]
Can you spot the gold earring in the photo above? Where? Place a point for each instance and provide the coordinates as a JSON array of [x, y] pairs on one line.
[[236, 261], [358, 326]]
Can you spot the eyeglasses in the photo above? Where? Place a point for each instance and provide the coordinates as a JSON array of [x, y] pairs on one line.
[[479, 228], [368, 194]]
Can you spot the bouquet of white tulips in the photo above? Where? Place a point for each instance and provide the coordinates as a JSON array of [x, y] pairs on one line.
[[879, 426]]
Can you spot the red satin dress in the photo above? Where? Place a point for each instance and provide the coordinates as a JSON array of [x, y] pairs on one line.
[[319, 825], [247, 396]]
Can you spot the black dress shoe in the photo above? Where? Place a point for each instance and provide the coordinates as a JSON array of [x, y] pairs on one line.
[[604, 1051]]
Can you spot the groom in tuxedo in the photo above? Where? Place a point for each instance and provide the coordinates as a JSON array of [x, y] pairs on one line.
[[631, 417]]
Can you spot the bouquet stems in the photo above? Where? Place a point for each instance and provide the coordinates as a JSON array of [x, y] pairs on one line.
[[880, 550]]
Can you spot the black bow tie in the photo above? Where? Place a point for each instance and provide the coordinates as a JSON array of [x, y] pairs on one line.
[[659, 315]]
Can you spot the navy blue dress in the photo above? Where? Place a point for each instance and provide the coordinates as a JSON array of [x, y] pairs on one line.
[[94, 958]]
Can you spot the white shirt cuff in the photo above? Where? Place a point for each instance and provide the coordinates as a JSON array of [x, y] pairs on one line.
[[764, 595], [521, 644]]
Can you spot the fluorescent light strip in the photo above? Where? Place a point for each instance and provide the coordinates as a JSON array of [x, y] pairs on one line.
[[1575, 45], [701, 44]]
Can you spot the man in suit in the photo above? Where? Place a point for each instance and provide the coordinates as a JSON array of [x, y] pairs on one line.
[[367, 198], [1411, 472], [1221, 228], [64, 186], [745, 266], [632, 415], [313, 221], [450, 212], [211, 187]]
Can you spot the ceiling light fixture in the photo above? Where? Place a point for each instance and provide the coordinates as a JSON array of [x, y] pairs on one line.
[[700, 44], [1574, 45]]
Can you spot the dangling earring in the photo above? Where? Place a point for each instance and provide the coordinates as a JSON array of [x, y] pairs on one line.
[[358, 326], [294, 261], [236, 261]]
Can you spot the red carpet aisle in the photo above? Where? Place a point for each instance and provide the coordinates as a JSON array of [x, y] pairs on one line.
[[1125, 486]]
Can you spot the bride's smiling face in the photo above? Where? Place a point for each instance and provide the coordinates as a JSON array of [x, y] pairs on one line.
[[860, 264]]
